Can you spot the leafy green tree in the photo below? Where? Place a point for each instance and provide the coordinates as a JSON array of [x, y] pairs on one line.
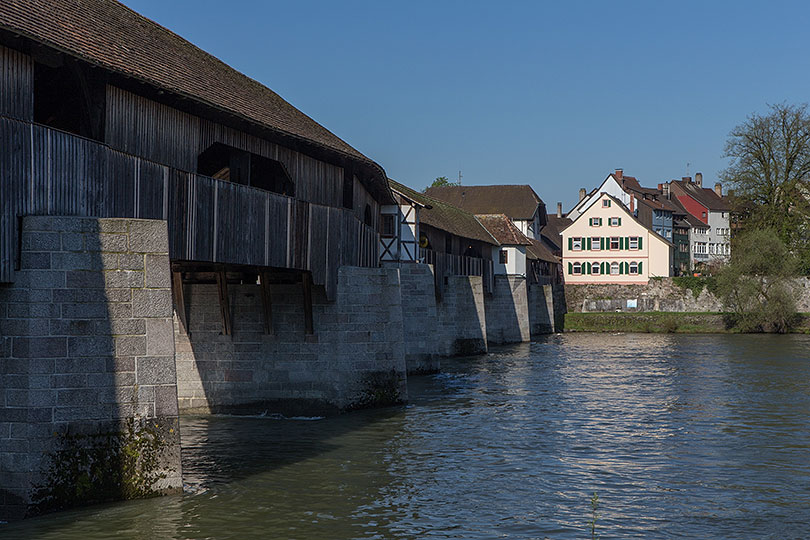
[[441, 181], [756, 286], [770, 174]]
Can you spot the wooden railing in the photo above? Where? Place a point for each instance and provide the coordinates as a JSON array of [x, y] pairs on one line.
[[446, 264], [49, 172]]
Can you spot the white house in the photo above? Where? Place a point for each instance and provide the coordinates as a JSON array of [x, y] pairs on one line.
[[607, 244]]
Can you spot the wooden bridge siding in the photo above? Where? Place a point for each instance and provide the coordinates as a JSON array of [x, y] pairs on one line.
[[55, 173], [171, 137], [16, 84]]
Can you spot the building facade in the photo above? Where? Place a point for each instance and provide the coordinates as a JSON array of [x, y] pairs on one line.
[[607, 244]]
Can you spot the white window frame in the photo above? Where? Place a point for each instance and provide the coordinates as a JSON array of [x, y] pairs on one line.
[[576, 269], [596, 243], [633, 269], [595, 268], [576, 243], [613, 222], [618, 243], [605, 203], [633, 242], [614, 268]]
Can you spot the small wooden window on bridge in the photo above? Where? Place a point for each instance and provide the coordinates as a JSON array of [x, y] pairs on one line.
[[225, 162]]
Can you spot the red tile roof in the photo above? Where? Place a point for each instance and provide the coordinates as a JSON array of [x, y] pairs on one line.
[[503, 230]]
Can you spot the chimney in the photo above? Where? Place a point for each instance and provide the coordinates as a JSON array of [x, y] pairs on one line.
[[686, 179], [559, 209], [619, 174], [718, 188], [665, 190], [699, 179], [582, 193]]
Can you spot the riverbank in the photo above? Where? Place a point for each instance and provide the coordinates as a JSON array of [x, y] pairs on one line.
[[659, 323]]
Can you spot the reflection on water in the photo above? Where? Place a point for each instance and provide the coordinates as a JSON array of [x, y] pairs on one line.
[[681, 437]]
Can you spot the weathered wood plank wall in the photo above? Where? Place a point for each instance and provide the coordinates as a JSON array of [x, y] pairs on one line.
[[146, 169], [51, 172]]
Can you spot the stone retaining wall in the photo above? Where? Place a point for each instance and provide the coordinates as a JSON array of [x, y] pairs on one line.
[[507, 311], [661, 294], [355, 357], [85, 345]]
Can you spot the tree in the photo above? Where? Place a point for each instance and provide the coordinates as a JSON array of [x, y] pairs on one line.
[[770, 174], [756, 286], [441, 181]]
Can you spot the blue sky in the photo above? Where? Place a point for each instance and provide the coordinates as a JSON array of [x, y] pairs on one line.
[[552, 94]]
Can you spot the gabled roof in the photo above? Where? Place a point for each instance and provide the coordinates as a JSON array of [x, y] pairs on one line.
[[540, 252], [618, 204], [503, 230], [705, 196], [108, 34], [445, 216], [553, 229], [516, 201]]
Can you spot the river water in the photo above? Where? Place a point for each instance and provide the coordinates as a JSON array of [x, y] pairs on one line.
[[679, 436]]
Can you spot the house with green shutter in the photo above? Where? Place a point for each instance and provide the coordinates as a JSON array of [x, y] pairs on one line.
[[607, 244]]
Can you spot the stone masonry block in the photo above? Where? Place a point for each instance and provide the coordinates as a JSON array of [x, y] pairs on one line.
[[155, 370], [83, 279], [148, 236], [131, 261], [40, 241], [159, 337], [130, 345], [107, 242], [166, 401], [123, 278], [91, 346], [158, 272], [39, 347], [72, 241], [151, 303], [113, 225]]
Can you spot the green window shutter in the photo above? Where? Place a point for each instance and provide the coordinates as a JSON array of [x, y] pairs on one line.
[[639, 267], [570, 244], [604, 267], [587, 268], [570, 268], [627, 243], [621, 242], [639, 246], [621, 268]]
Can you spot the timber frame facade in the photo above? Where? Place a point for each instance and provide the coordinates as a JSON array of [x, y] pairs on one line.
[[112, 119]]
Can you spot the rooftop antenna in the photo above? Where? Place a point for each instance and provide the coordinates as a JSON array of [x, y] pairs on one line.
[[459, 177], [687, 168]]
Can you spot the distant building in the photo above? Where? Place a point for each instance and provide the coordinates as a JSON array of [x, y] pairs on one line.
[[605, 243], [712, 243]]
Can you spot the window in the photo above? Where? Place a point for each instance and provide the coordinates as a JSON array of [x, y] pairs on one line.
[[577, 269], [605, 203], [633, 268], [718, 231], [668, 233], [71, 97], [225, 162], [367, 218], [388, 225], [614, 269], [596, 222], [596, 243], [614, 242], [634, 242], [503, 257], [704, 215], [595, 268], [577, 243], [614, 221]]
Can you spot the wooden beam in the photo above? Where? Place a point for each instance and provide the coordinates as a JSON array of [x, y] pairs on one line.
[[224, 304], [306, 283], [180, 299], [268, 312]]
